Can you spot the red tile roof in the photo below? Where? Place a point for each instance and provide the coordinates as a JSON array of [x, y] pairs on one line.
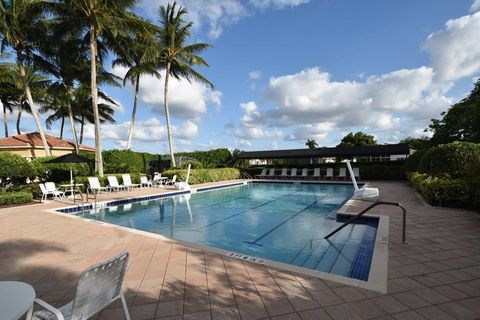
[[33, 140]]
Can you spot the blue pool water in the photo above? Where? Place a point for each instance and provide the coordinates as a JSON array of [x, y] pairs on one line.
[[284, 222]]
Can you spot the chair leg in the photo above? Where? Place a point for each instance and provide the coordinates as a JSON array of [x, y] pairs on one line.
[[124, 304]]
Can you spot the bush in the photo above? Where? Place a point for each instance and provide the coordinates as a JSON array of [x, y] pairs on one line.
[[441, 191], [8, 198], [118, 161], [453, 159], [211, 158], [58, 172], [195, 164], [205, 175], [14, 168], [32, 188], [413, 161]]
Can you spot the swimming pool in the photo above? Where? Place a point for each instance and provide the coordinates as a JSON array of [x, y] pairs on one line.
[[283, 222]]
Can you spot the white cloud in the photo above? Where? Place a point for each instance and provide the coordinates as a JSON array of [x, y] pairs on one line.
[[277, 4], [455, 50], [475, 6], [255, 74], [318, 131], [187, 100]]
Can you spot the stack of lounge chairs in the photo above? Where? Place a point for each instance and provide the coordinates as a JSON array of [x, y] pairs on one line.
[[306, 174]]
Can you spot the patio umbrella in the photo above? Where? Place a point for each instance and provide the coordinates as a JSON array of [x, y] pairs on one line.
[[70, 158]]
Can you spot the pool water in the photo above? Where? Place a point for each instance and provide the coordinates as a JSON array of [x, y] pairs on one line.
[[283, 222]]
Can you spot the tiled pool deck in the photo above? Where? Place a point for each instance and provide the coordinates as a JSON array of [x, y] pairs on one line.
[[435, 276]]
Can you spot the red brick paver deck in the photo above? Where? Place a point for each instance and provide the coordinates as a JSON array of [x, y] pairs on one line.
[[435, 276]]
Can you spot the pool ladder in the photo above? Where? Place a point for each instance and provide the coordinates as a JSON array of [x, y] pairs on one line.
[[377, 203]]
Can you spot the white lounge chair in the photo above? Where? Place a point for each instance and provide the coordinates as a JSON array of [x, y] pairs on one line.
[[262, 174], [98, 287], [95, 186], [45, 192], [157, 179], [144, 182], [52, 189], [127, 182], [293, 173], [114, 185], [304, 173], [342, 173], [271, 173], [171, 182], [329, 174], [316, 173], [283, 174]]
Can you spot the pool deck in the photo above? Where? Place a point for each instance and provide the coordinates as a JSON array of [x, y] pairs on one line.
[[435, 276]]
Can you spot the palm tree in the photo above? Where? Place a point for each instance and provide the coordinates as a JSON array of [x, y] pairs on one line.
[[21, 21], [177, 57], [140, 59], [311, 144], [104, 20], [8, 92]]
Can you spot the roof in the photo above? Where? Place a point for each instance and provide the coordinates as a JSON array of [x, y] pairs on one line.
[[33, 139], [377, 150]]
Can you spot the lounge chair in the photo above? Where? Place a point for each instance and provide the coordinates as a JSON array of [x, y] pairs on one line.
[[127, 182], [271, 173], [157, 179], [342, 173], [356, 173], [114, 185], [262, 174], [304, 173], [97, 287], [329, 174], [293, 173], [95, 186], [283, 174], [316, 173], [45, 192], [144, 182], [171, 182], [52, 189]]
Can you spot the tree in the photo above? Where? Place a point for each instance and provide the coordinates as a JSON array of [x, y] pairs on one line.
[[417, 143], [8, 92], [140, 59], [311, 144], [461, 122], [358, 139], [177, 57], [21, 22], [104, 21]]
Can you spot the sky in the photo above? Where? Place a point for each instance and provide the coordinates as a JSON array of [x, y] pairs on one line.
[[285, 71]]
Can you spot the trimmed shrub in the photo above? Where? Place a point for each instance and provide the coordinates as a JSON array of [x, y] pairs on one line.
[[413, 161], [118, 161], [195, 165], [453, 159], [14, 168], [8, 198], [211, 158], [32, 188], [58, 172], [205, 175]]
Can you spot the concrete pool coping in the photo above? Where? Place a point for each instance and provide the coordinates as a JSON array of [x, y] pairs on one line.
[[377, 279]]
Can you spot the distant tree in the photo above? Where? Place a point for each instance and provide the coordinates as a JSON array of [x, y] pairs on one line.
[[358, 139], [461, 122], [311, 144], [417, 143]]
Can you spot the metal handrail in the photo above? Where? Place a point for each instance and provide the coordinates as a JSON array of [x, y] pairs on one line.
[[247, 175], [404, 225]]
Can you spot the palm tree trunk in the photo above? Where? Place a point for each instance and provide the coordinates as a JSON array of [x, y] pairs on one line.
[[81, 128], [33, 107], [93, 84], [20, 111], [167, 115], [70, 117], [61, 127], [5, 122], [134, 111]]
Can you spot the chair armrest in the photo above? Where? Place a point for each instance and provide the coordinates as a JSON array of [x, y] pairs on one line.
[[50, 308]]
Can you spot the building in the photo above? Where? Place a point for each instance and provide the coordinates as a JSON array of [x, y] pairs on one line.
[[376, 153], [30, 145]]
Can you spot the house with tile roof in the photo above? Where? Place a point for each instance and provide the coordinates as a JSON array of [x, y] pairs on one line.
[[29, 145]]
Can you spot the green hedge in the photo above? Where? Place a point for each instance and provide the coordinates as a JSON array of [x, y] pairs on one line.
[[32, 188], [392, 170], [205, 175], [14, 168], [442, 191], [454, 159], [8, 198], [118, 161], [210, 159], [413, 161]]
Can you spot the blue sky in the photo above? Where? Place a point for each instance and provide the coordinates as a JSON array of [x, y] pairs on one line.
[[288, 70]]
